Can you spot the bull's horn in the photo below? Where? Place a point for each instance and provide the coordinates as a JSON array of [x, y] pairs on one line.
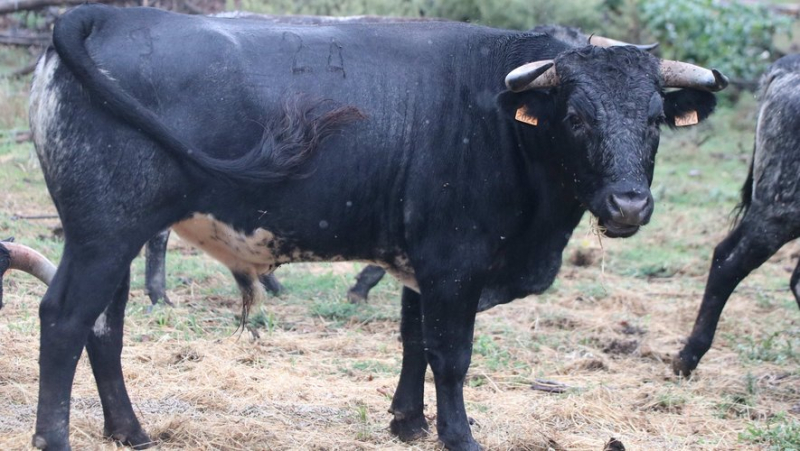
[[538, 74], [602, 41], [23, 258], [684, 75]]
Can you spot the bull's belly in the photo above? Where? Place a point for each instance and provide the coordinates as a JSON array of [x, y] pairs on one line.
[[261, 251]]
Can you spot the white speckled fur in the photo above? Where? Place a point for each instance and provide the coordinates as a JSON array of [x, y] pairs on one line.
[[45, 101], [100, 327]]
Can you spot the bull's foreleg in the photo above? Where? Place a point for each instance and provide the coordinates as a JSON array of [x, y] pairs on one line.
[[104, 348], [155, 278], [754, 241], [449, 304], [365, 281], [82, 288], [408, 403]]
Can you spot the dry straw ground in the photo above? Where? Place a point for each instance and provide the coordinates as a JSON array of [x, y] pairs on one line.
[[320, 374]]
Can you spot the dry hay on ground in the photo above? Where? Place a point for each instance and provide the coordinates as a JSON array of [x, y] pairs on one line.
[[320, 385]]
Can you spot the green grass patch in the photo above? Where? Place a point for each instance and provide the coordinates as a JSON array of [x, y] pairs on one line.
[[778, 434], [778, 347]]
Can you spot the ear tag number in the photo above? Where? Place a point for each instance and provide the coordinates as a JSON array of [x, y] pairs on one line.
[[690, 118], [523, 116]]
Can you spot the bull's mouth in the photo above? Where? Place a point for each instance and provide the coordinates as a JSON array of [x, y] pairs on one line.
[[614, 229]]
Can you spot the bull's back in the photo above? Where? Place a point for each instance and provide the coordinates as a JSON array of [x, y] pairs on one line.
[[198, 72]]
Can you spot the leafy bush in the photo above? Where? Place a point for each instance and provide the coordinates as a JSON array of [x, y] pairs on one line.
[[735, 38], [512, 14]]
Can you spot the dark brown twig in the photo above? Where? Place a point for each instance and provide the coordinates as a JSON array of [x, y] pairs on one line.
[[10, 6], [549, 386], [34, 217]]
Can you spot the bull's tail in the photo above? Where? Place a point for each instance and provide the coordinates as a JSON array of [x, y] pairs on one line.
[[23, 258], [747, 196], [270, 161]]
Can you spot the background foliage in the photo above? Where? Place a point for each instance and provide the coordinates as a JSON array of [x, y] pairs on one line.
[[736, 38]]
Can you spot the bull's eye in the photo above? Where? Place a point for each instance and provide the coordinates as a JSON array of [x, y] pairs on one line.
[[657, 120], [575, 122]]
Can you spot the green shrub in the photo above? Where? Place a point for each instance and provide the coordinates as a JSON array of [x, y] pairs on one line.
[[735, 38]]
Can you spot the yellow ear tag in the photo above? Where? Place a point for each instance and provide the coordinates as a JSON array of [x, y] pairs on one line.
[[690, 118], [523, 116]]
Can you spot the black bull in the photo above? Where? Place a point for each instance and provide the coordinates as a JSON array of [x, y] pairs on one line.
[[392, 143], [769, 211], [156, 248]]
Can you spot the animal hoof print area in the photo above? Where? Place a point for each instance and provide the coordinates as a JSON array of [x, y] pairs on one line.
[[410, 429]]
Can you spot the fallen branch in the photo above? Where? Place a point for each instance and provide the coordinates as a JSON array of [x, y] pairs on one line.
[[192, 8], [15, 217], [27, 39], [549, 386], [10, 6]]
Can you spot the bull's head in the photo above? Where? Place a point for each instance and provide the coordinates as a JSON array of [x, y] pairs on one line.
[[603, 108]]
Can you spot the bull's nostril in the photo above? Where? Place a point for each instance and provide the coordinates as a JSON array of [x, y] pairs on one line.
[[630, 208]]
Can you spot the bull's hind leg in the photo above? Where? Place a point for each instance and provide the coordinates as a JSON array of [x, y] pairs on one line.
[[104, 348], [794, 283], [86, 281], [365, 281], [751, 243], [271, 283], [155, 278], [408, 403]]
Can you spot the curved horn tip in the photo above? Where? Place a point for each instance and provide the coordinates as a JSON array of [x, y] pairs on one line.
[[720, 80], [648, 47]]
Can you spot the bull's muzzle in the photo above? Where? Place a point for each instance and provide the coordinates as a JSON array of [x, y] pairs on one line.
[[626, 213]]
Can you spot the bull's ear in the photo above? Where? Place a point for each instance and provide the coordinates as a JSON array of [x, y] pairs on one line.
[[688, 107], [533, 108]]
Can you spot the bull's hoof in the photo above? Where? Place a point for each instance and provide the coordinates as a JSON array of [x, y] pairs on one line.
[[468, 444], [50, 444], [356, 297], [159, 296], [411, 428], [682, 365], [136, 439]]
